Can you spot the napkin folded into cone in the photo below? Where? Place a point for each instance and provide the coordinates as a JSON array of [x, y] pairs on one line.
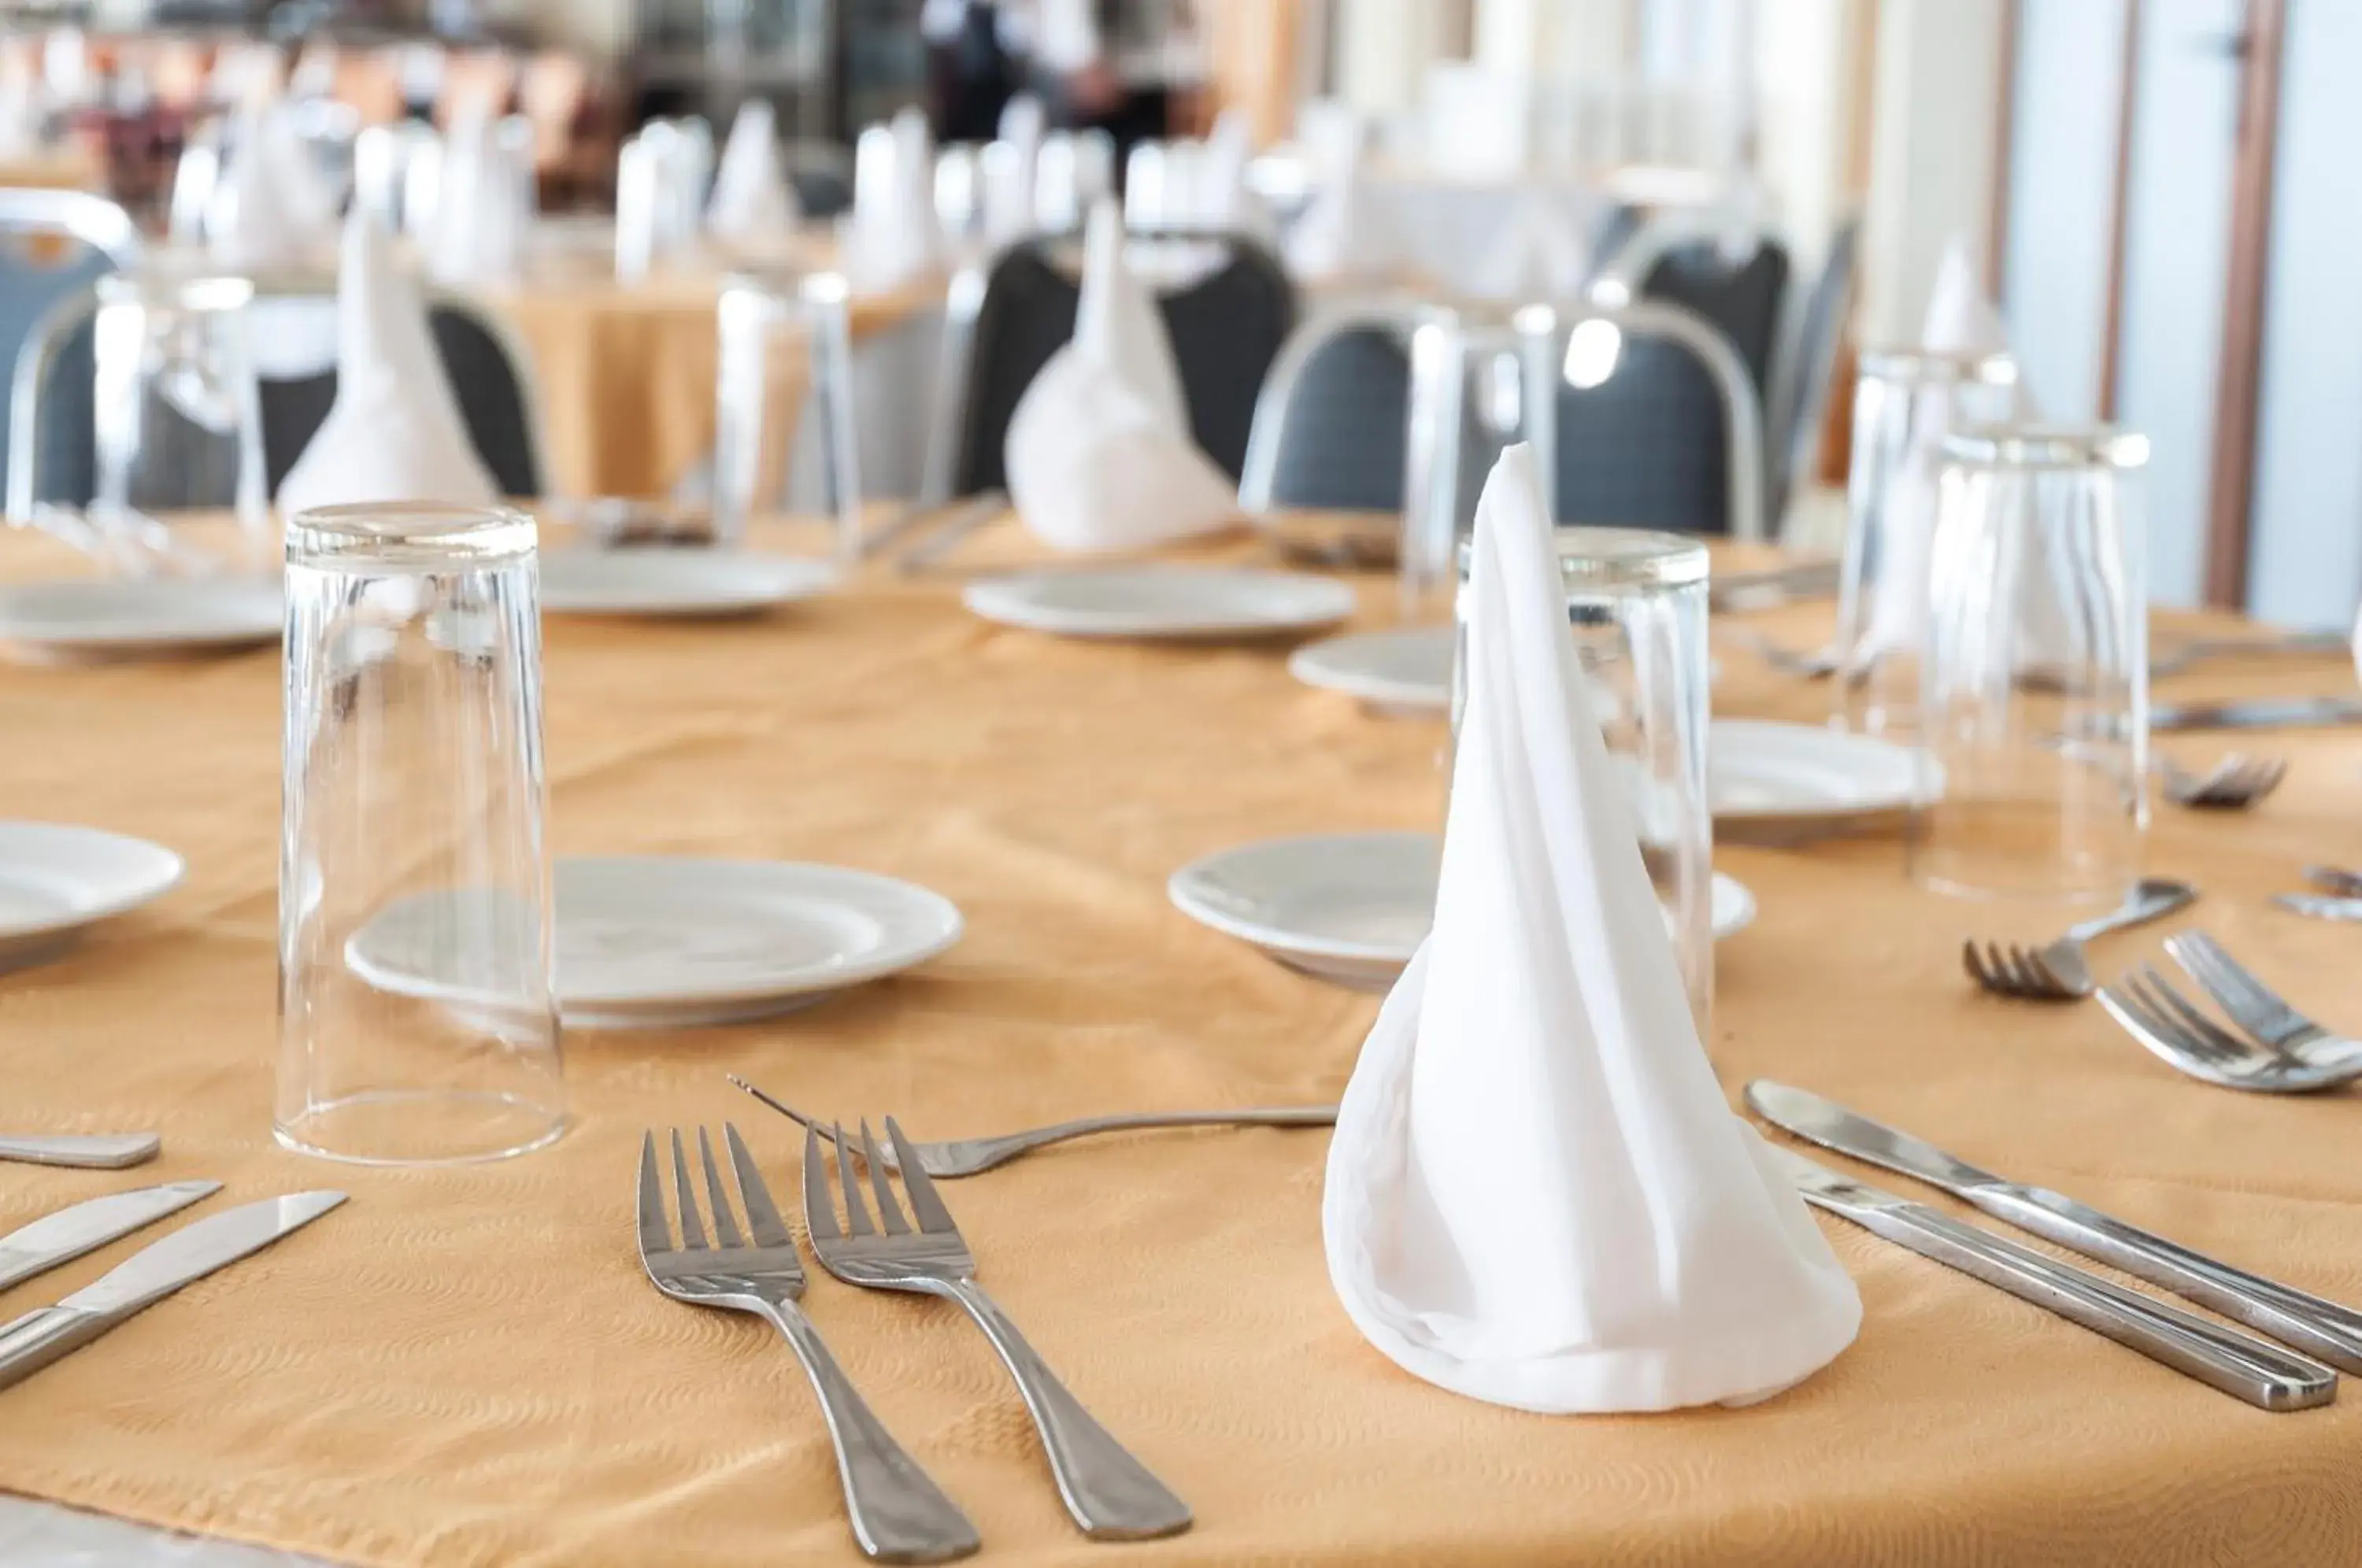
[[483, 204], [1542, 255], [1537, 1195], [1099, 456], [752, 199], [1342, 233], [272, 209], [891, 238], [395, 431]]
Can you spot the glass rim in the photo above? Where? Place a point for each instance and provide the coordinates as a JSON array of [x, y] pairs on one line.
[[408, 535], [202, 291], [1598, 556], [1905, 362], [2048, 447]]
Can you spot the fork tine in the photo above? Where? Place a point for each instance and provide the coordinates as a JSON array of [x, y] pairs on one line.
[[2235, 990], [889, 1213], [820, 1209], [2038, 977], [725, 1223], [762, 1217], [655, 1227], [2168, 1034], [857, 1213], [1973, 962], [925, 1202], [2194, 1023], [692, 1229], [2144, 1027]]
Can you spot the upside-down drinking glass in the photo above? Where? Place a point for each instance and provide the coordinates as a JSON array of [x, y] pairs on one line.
[[1637, 601], [787, 346], [2036, 702], [178, 411], [1905, 403], [417, 1019]]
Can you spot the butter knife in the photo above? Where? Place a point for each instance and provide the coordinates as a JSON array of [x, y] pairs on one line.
[[48, 1333], [66, 1235], [2318, 1327], [2270, 713], [104, 1151], [2250, 1369], [1768, 590]]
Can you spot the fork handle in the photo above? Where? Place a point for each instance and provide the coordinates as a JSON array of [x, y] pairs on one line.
[[899, 1513], [1110, 1494], [1090, 1126]]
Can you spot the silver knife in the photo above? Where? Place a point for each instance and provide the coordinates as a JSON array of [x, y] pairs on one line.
[[1767, 590], [2271, 714], [103, 1151], [69, 1234], [189, 1253], [2318, 1327], [2321, 906], [2254, 1370]]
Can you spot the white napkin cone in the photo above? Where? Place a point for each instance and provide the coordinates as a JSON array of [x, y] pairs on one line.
[[272, 209], [1099, 456], [483, 202], [1341, 232], [1536, 1193], [752, 199], [891, 238], [1542, 255], [1224, 199], [395, 431]]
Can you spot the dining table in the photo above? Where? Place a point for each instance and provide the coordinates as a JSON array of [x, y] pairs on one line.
[[466, 1365]]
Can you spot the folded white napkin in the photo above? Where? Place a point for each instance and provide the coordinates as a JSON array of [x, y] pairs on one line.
[[1224, 199], [395, 431], [1536, 1193], [891, 238], [1099, 456], [484, 201], [272, 209], [752, 199], [1541, 255], [1341, 232]]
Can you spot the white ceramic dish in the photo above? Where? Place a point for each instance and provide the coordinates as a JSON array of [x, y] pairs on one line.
[[666, 942], [1163, 602], [1763, 772], [1407, 670], [131, 617], [56, 879], [661, 582]]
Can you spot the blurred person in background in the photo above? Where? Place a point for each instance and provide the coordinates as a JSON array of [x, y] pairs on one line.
[[1121, 66], [973, 63]]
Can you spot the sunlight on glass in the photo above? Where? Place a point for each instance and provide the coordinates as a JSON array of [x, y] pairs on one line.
[[1592, 351]]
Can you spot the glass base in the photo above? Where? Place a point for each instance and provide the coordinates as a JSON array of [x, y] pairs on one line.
[[422, 1126]]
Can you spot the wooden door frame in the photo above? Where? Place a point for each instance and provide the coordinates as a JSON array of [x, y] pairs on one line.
[[2239, 375]]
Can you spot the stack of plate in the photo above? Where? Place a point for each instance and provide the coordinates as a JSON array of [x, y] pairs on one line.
[[55, 880]]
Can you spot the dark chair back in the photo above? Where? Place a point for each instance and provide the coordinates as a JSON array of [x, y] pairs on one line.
[[41, 270], [1800, 392], [1226, 329], [1743, 299]]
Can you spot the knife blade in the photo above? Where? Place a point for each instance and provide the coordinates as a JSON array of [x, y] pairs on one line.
[[2321, 906], [1768, 590], [67, 1234], [2271, 714], [2250, 1369], [2321, 1328], [104, 1151], [189, 1253]]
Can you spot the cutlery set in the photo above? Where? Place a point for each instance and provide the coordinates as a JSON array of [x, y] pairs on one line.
[[898, 1513]]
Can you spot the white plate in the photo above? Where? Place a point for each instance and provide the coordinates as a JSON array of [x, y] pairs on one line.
[[87, 616], [1407, 670], [667, 943], [55, 879], [1161, 601], [676, 582], [1758, 771], [1347, 907]]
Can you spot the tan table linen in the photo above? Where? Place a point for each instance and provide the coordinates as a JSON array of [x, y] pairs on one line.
[[465, 1366], [74, 167], [625, 373]]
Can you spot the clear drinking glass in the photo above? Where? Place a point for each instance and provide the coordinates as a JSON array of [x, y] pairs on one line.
[[1904, 402], [786, 345], [1637, 601], [178, 417], [2036, 702], [417, 1019]]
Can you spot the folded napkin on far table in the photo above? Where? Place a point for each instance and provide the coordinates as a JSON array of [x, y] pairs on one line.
[[1342, 234], [1537, 1195], [752, 199], [484, 203], [891, 238], [1099, 456], [1541, 255], [272, 210], [395, 431]]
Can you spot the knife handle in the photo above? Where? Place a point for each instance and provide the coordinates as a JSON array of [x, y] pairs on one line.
[[110, 1151], [44, 1335], [2238, 1365], [2318, 1327]]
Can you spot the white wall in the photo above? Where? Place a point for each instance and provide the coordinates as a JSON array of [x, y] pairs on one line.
[[1931, 151]]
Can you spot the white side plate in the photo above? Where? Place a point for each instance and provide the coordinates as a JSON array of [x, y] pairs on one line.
[[676, 582], [1759, 772], [128, 616], [1406, 672], [1161, 601], [56, 879], [666, 942]]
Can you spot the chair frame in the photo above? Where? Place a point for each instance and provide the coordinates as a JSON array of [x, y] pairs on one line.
[[38, 356], [1541, 332], [1806, 423]]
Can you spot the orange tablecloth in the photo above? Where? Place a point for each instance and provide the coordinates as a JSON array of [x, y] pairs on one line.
[[465, 1366]]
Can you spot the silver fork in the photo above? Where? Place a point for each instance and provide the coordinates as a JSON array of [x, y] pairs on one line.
[[2060, 970], [956, 1157], [2260, 1011], [2177, 1031], [2236, 781], [1109, 1494], [899, 1513]]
